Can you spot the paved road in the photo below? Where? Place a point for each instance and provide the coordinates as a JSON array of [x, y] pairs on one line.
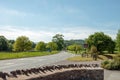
[[26, 63]]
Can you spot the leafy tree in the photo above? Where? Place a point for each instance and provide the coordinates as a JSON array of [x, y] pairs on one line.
[[74, 47], [118, 40], [58, 39], [33, 45], [22, 43], [93, 49], [101, 41], [111, 46], [3, 44], [94, 52], [52, 46], [71, 47], [41, 46], [11, 43]]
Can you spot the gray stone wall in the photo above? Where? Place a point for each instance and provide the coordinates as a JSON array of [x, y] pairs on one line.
[[82, 74], [57, 72]]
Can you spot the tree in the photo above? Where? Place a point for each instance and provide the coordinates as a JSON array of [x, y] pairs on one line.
[[41, 46], [22, 43], [74, 47], [111, 46], [93, 49], [118, 40], [94, 52], [58, 39], [101, 41], [3, 44], [52, 46], [11, 43], [33, 44]]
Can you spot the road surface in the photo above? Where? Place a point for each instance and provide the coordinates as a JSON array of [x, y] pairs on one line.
[[32, 62]]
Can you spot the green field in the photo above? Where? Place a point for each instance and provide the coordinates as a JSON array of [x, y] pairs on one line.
[[13, 55]]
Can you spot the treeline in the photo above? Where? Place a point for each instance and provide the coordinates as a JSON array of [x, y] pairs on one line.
[[23, 43], [97, 42]]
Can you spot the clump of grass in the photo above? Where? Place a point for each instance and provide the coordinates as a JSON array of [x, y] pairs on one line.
[[102, 57], [13, 55]]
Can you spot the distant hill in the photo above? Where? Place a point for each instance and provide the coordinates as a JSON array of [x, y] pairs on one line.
[[76, 41]]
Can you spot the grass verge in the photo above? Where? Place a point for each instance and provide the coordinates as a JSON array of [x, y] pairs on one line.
[[79, 58], [13, 55]]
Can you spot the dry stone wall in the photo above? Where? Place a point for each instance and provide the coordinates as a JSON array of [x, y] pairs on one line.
[[57, 72]]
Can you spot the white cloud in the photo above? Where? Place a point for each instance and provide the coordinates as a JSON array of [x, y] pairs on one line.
[[14, 12], [11, 32]]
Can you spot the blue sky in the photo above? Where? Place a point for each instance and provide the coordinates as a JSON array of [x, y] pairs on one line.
[[75, 19]]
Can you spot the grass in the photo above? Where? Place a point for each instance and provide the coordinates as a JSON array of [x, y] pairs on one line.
[[100, 57], [13, 55], [79, 58]]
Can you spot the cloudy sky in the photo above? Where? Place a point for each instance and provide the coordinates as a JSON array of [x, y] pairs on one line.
[[40, 20]]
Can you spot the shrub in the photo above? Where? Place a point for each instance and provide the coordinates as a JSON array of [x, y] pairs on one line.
[[104, 63], [112, 65]]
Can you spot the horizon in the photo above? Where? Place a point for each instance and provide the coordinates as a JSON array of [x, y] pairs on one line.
[[40, 20]]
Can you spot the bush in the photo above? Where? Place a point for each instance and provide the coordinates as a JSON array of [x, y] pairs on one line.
[[112, 65], [107, 66], [104, 63]]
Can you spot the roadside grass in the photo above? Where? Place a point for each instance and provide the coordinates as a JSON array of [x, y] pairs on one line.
[[79, 58], [14, 55], [100, 57], [105, 56]]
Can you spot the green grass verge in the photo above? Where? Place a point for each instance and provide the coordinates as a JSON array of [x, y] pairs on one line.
[[79, 58], [13, 55], [100, 57]]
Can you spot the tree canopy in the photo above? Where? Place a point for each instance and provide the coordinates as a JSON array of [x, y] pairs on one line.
[[22, 43], [58, 39], [52, 46], [41, 46], [101, 42], [74, 47], [118, 40], [3, 44]]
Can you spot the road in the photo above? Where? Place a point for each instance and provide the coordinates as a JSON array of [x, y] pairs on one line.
[[32, 62]]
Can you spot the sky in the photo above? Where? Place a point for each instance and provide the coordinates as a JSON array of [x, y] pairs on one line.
[[40, 20]]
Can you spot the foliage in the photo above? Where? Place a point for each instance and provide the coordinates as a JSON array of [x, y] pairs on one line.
[[51, 46], [10, 44], [41, 46], [113, 64], [58, 39], [118, 40], [111, 46], [93, 49], [13, 55], [33, 44], [22, 44], [94, 53], [3, 44], [101, 41], [74, 47]]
